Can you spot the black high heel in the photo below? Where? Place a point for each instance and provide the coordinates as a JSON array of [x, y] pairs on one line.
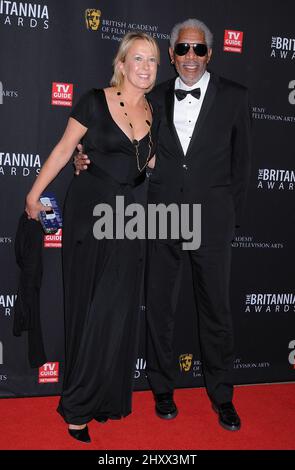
[[80, 434]]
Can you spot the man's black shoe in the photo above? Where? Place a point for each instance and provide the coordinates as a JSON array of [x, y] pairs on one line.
[[228, 417], [165, 406]]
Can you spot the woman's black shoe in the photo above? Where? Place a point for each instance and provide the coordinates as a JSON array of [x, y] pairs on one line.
[[80, 434]]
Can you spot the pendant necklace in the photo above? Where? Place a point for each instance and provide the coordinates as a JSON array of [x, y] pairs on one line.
[[134, 141]]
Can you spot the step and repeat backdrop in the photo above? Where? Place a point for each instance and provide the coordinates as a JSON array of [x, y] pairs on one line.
[[53, 51]]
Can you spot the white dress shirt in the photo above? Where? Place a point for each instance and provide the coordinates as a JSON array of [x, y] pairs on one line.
[[186, 111]]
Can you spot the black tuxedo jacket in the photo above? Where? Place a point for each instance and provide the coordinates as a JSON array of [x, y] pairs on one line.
[[216, 168]]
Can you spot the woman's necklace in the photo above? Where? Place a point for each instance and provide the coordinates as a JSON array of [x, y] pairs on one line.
[[134, 141]]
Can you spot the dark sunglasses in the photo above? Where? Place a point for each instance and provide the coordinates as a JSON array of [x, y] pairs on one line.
[[182, 48]]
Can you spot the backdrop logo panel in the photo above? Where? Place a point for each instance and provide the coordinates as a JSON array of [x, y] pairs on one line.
[[233, 41], [292, 353], [261, 113], [242, 364], [5, 240], [1, 353], [62, 94], [282, 48], [291, 96], [189, 366], [185, 362], [270, 179], [267, 303], [17, 163], [53, 240], [115, 28], [197, 368], [92, 18], [140, 367], [24, 14], [7, 302], [3, 377], [6, 93], [49, 372], [250, 242]]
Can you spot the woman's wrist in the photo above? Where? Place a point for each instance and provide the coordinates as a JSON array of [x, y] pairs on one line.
[[32, 198]]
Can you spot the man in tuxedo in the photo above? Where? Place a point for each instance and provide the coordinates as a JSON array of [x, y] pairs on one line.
[[203, 157]]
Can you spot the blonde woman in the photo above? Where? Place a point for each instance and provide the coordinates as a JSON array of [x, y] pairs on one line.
[[102, 278]]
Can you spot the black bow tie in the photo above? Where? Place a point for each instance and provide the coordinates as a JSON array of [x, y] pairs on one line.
[[181, 94]]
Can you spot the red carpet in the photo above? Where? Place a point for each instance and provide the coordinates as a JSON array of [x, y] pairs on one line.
[[267, 413]]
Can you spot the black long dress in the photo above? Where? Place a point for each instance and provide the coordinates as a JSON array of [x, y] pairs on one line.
[[102, 278]]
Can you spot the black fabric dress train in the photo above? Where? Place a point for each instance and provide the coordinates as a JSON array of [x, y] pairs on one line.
[[102, 278]]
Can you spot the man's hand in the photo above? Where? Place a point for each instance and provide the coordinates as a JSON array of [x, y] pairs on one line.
[[33, 208], [81, 160]]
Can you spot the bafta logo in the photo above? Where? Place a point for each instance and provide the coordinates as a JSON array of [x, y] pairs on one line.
[[185, 362], [92, 18], [1, 352]]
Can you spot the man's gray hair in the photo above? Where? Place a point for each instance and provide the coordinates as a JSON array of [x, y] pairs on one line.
[[191, 23]]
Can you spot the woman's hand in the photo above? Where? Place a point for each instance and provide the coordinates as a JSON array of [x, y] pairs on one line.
[[33, 207]]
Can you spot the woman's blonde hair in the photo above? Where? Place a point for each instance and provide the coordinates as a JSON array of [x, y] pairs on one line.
[[127, 41]]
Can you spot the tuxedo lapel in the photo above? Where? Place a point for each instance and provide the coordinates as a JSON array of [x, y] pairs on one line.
[[169, 104], [206, 106]]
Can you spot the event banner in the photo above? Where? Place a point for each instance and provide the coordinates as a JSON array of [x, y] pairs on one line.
[[51, 53]]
